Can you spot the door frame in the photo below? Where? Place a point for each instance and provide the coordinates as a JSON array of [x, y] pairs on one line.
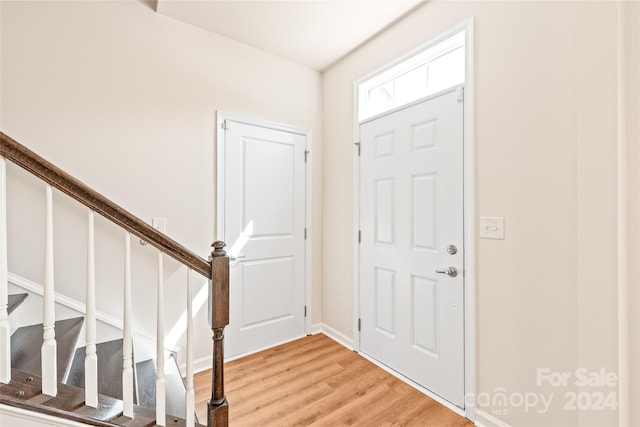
[[469, 220], [220, 193]]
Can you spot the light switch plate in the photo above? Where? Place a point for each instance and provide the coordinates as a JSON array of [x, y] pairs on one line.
[[159, 224], [492, 227]]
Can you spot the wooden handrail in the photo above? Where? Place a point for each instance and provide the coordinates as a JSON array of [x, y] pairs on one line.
[[51, 174]]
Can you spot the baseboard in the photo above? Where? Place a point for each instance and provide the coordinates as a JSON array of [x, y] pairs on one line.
[[17, 417], [206, 362], [416, 386], [335, 335], [199, 365], [347, 342], [316, 328], [78, 306], [484, 419]]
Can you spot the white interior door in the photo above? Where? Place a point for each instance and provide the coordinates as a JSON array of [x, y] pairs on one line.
[[412, 313], [264, 228]]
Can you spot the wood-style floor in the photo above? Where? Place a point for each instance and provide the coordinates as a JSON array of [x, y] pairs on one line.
[[316, 381]]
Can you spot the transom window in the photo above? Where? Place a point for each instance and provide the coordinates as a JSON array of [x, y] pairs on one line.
[[431, 70]]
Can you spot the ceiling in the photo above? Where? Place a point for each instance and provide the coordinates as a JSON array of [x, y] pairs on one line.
[[314, 33]]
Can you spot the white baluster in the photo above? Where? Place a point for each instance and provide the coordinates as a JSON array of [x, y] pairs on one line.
[[5, 328], [160, 383], [48, 352], [127, 343], [91, 358], [189, 395]]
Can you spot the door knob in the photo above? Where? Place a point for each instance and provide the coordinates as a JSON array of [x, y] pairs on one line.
[[233, 258], [451, 271]]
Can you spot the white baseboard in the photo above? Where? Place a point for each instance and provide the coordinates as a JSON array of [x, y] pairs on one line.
[[16, 417], [316, 328], [484, 419], [335, 335], [204, 363], [347, 342], [199, 365]]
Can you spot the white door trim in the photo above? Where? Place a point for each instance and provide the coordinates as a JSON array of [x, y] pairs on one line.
[[220, 196], [469, 213]]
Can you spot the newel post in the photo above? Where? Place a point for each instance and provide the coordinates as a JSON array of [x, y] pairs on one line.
[[218, 407]]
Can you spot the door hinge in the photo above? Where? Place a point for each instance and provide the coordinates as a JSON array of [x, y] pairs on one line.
[[305, 311], [357, 144], [305, 234], [359, 236], [306, 155], [224, 125], [359, 324]]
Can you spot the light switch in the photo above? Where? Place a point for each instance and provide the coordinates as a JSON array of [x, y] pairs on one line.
[[159, 224], [492, 227]]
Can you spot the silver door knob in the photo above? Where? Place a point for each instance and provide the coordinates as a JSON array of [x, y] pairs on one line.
[[451, 271], [233, 258]]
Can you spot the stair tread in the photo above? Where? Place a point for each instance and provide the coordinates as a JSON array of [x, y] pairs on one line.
[[109, 369], [141, 417], [15, 300], [69, 404], [26, 343], [108, 409]]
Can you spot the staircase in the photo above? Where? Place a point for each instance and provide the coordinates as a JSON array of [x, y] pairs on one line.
[[26, 342], [144, 379], [41, 368]]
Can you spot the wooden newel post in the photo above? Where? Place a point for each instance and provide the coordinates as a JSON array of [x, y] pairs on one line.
[[218, 407]]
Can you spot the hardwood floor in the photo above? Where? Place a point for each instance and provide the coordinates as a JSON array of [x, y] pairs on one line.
[[315, 381]]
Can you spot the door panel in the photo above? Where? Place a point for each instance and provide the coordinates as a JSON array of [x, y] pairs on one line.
[[385, 301], [264, 220], [385, 213], [424, 228], [424, 314], [269, 191], [268, 293], [412, 318]]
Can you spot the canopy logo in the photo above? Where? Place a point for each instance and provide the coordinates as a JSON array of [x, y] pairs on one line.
[[587, 390]]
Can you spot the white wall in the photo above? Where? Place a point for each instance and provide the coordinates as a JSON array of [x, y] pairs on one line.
[[125, 100], [546, 159], [631, 12]]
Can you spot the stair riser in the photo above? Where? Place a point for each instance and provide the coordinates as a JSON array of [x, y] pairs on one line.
[[109, 369], [26, 343]]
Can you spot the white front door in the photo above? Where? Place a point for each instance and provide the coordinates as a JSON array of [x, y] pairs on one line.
[[264, 227], [412, 312]]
